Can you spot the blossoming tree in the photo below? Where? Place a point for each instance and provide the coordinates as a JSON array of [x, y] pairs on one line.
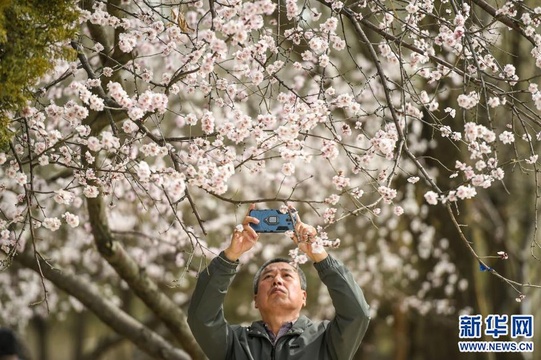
[[403, 129]]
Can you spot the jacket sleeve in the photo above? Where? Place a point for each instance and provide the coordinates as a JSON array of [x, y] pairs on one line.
[[205, 312], [346, 330]]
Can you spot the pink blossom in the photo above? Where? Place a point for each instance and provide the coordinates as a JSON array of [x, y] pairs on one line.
[[451, 111], [109, 141], [43, 160], [317, 246], [52, 224], [287, 133], [497, 174], [55, 112], [143, 171], [96, 103], [387, 193], [340, 181], [298, 258], [291, 9], [329, 150], [127, 42], [357, 193], [267, 120], [288, 169], [329, 215], [21, 178], [135, 113], [466, 192], [63, 197], [83, 130], [330, 24], [324, 60], [71, 219], [332, 199], [119, 94], [94, 144], [468, 101], [207, 122], [532, 159], [107, 72], [431, 197], [91, 191], [507, 137], [412, 8], [175, 185], [338, 43], [129, 127]]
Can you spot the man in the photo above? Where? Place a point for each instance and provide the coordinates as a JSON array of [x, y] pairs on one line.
[[9, 348], [279, 295]]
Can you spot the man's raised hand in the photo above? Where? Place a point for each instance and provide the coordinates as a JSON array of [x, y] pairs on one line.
[[304, 236], [244, 237]]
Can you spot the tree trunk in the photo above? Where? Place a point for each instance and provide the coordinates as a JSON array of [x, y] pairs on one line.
[[121, 322]]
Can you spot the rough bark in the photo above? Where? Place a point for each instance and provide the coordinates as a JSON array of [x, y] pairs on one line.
[[139, 282]]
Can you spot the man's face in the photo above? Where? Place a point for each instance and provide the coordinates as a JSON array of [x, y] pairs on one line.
[[279, 288]]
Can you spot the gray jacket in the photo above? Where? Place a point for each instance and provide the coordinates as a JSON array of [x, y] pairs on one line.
[[337, 339]]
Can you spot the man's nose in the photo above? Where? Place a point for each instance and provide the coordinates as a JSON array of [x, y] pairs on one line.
[[277, 281]]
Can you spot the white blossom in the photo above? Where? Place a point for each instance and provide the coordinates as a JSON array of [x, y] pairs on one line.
[[52, 224], [91, 191], [431, 197], [71, 219]]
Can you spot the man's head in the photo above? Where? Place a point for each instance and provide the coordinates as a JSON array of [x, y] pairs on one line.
[[278, 285], [8, 345], [257, 276]]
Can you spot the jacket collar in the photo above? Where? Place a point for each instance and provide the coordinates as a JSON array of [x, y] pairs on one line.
[[258, 327]]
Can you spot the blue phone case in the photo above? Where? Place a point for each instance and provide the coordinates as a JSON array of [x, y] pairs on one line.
[[271, 221]]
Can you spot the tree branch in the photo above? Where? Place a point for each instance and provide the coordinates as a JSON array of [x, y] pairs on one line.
[[512, 283], [106, 343], [507, 21], [118, 320], [136, 277]]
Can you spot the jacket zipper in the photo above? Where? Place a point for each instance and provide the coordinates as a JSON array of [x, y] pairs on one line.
[[273, 351], [273, 347]]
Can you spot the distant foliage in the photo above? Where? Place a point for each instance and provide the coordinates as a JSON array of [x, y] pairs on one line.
[[32, 35]]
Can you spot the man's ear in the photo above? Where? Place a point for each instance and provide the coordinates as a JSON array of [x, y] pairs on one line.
[[304, 295], [255, 301]]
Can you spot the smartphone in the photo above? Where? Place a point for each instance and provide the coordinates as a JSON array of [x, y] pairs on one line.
[[271, 221]]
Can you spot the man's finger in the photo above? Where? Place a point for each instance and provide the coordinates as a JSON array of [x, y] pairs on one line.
[[252, 233], [250, 220], [294, 213], [250, 208]]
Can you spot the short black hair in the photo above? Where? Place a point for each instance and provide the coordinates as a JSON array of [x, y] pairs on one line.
[[257, 276], [8, 342]]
